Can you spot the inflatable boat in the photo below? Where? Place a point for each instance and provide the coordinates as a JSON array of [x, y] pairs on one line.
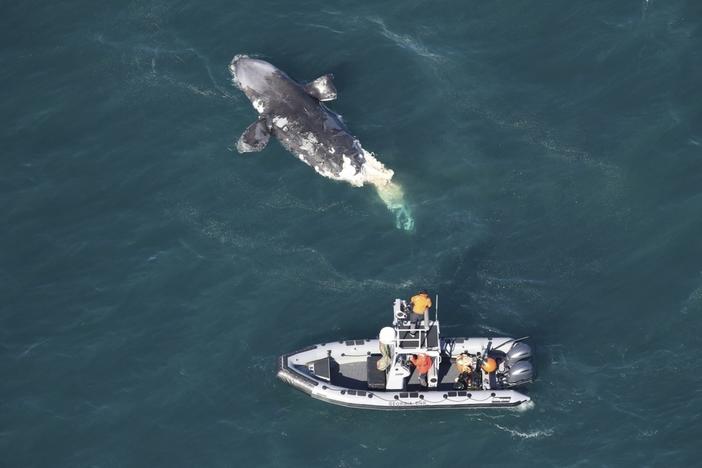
[[379, 373]]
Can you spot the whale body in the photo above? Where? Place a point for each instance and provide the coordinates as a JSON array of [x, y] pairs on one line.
[[295, 115]]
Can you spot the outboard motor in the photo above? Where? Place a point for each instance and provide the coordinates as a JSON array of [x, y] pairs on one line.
[[519, 373], [519, 352]]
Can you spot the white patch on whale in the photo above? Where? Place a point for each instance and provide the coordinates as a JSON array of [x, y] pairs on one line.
[[280, 122], [372, 172], [348, 172], [258, 105], [325, 89]]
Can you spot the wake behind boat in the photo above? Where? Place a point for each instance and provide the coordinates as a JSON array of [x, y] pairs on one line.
[[410, 366]]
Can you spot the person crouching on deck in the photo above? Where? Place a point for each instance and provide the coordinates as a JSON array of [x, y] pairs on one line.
[[464, 366]]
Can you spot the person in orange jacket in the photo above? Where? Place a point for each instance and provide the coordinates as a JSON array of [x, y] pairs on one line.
[[423, 363]]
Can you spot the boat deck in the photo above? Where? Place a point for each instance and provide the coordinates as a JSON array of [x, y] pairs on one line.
[[353, 375]]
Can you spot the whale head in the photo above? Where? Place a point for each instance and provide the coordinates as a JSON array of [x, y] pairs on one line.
[[251, 75]]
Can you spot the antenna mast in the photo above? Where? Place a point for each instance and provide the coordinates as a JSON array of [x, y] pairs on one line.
[[436, 313]]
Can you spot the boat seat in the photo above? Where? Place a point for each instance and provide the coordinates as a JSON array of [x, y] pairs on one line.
[[492, 376], [433, 337], [322, 368], [375, 377], [433, 374]]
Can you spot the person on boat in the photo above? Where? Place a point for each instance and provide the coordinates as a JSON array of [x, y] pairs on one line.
[[422, 363], [421, 302], [464, 366]]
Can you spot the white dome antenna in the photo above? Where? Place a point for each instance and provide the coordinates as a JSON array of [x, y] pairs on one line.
[[387, 335]]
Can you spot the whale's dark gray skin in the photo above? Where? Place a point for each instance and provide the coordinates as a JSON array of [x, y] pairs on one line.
[[294, 114]]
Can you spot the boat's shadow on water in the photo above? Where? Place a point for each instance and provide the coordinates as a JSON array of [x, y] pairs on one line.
[[464, 290], [459, 282]]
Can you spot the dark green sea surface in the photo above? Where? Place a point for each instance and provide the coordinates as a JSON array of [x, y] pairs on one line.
[[551, 153]]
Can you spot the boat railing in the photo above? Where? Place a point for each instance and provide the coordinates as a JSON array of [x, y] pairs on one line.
[[403, 327], [403, 338]]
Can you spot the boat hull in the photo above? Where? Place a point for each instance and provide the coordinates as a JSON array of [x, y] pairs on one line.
[[292, 372]]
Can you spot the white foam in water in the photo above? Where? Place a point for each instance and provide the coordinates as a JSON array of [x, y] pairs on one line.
[[393, 197], [372, 172], [524, 407], [392, 194], [526, 435]]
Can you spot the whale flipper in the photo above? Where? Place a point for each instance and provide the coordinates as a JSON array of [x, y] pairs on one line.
[[322, 88], [255, 137]]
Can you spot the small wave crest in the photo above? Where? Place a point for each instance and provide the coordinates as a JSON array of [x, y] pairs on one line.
[[405, 41], [526, 435]]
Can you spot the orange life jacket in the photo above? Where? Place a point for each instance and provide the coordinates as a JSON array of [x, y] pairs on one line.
[[422, 363]]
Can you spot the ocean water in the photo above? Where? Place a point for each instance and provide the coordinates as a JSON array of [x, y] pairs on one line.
[[550, 152]]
